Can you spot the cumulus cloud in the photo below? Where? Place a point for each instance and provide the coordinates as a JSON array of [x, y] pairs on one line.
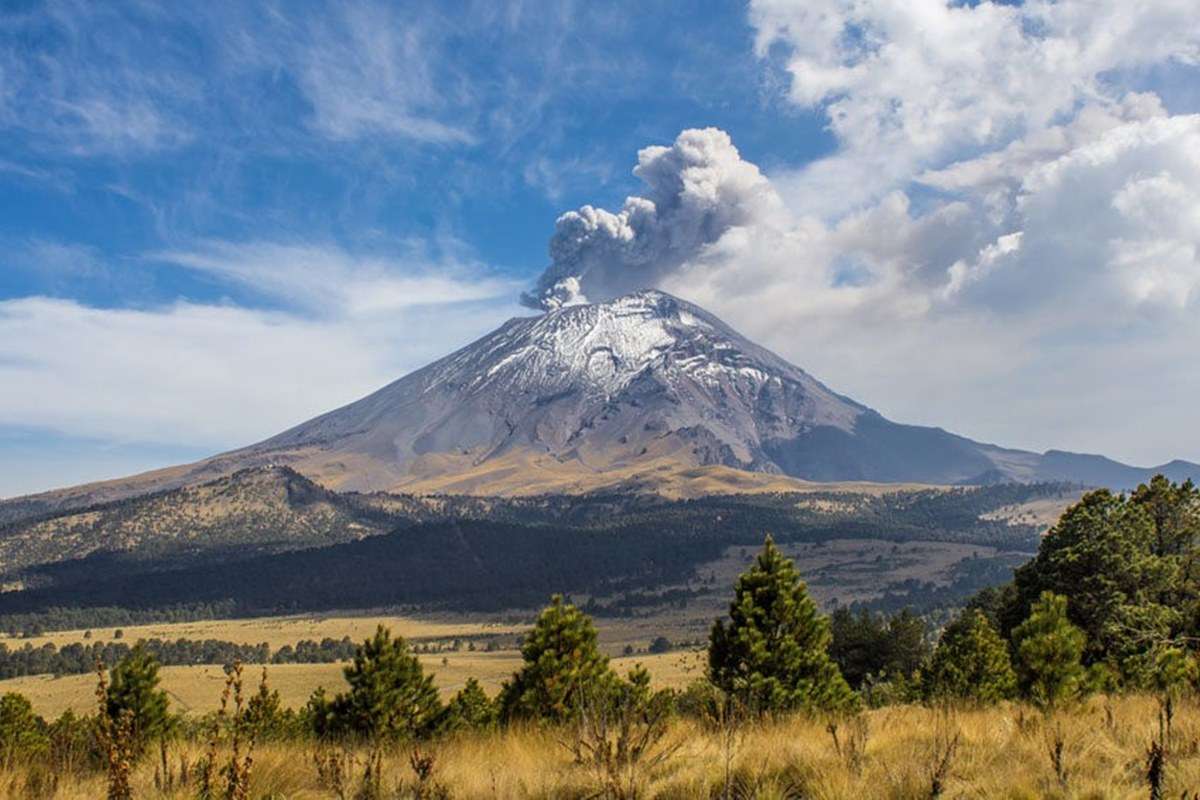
[[1004, 221], [906, 86]]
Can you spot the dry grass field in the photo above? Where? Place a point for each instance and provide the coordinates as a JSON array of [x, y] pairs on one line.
[[197, 689], [898, 753]]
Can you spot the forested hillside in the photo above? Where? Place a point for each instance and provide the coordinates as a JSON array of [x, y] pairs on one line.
[[269, 541]]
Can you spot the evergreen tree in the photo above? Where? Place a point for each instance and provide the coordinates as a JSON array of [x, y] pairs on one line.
[[22, 732], [773, 654], [1174, 510], [1049, 652], [971, 662], [469, 710], [133, 690], [317, 714], [1101, 554], [390, 696], [871, 646], [265, 714], [857, 643], [907, 647], [562, 664], [1172, 669]]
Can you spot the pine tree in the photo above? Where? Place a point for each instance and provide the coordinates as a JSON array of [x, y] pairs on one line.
[[1101, 554], [390, 695], [265, 714], [1174, 510], [774, 652], [469, 710], [133, 690], [1049, 653], [971, 662], [562, 664], [22, 732]]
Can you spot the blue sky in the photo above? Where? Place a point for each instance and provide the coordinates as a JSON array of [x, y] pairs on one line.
[[222, 218]]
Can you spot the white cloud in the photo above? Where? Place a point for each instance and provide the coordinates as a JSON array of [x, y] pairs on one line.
[[95, 79], [331, 282], [205, 375], [216, 376], [49, 92], [368, 71], [910, 85]]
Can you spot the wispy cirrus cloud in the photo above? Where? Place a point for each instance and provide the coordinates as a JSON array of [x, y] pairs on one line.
[[361, 70], [370, 71], [330, 281], [49, 91]]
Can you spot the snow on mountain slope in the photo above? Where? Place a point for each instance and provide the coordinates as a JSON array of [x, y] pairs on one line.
[[597, 385]]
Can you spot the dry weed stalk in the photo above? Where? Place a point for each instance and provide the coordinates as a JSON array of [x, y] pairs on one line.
[[243, 735], [333, 766], [853, 750], [371, 786], [621, 743], [426, 788], [166, 779], [727, 717], [1156, 763], [945, 747], [1055, 746]]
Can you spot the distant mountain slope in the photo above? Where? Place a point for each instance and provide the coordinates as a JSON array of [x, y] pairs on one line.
[[624, 392], [474, 552], [1094, 470], [252, 511]]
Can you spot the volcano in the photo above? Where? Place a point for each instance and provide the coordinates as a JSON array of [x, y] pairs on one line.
[[638, 392]]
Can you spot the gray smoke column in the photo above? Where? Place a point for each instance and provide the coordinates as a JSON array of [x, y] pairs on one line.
[[697, 190]]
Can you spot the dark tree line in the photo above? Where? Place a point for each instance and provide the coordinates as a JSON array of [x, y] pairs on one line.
[[78, 658], [89, 617]]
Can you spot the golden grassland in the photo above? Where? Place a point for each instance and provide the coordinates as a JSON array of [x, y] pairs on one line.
[[197, 689], [999, 752]]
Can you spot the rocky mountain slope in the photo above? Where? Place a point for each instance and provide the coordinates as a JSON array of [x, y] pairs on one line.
[[645, 391]]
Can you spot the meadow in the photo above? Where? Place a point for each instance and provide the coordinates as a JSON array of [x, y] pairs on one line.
[[1097, 750], [197, 689]]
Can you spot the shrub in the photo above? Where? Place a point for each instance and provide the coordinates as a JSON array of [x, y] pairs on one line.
[[469, 709], [22, 733]]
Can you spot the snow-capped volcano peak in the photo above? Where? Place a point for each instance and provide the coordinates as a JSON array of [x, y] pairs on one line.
[[603, 382], [600, 349]]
